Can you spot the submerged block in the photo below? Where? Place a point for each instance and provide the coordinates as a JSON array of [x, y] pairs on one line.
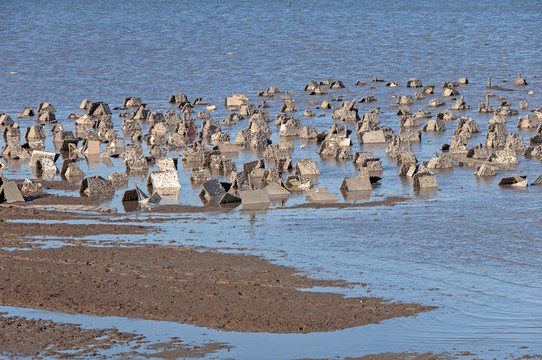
[[320, 195], [356, 184], [164, 180], [250, 197]]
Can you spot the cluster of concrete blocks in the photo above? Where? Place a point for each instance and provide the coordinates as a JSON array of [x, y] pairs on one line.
[[256, 184]]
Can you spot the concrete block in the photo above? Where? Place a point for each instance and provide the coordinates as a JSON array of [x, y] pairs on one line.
[[307, 167], [424, 180], [36, 155], [130, 195], [356, 195], [276, 190], [164, 180], [254, 197], [521, 182], [320, 195], [9, 192], [212, 189], [47, 116], [91, 147], [356, 184], [97, 187], [235, 100], [115, 148], [373, 137], [248, 167], [167, 164], [228, 198], [35, 132], [200, 175], [226, 148]]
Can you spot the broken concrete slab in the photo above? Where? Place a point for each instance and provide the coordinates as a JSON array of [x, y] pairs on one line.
[[321, 195], [134, 195], [45, 106], [47, 116], [99, 108], [30, 188], [228, 199], [131, 102], [442, 161], [504, 157], [6, 120], [414, 83], [27, 112], [408, 170], [436, 125], [520, 81], [114, 148], [248, 167]]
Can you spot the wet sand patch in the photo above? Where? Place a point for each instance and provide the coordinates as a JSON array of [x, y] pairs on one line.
[[222, 291], [46, 339], [23, 230], [37, 338]]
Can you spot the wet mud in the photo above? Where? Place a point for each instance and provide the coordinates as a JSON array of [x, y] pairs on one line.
[[221, 291], [44, 339]]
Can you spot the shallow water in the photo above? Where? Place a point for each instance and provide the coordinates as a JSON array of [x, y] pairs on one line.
[[471, 248]]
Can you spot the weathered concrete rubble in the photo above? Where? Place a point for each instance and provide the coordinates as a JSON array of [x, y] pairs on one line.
[[424, 180], [307, 167], [436, 125], [347, 112], [496, 135], [484, 170], [442, 161], [466, 126], [369, 161], [96, 186]]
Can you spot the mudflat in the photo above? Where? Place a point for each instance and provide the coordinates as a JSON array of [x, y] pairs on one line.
[[222, 291]]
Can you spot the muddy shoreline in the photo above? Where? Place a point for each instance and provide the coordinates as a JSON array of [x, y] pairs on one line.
[[221, 291], [40, 339]]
